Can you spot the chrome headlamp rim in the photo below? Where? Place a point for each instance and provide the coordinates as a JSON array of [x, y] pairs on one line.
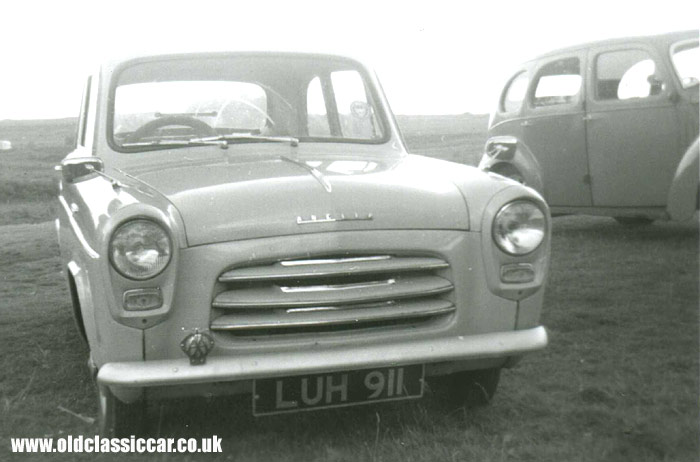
[[494, 224], [129, 222]]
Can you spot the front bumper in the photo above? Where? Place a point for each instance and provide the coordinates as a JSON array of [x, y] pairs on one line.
[[142, 374]]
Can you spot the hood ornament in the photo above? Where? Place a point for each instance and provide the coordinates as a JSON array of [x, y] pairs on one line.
[[330, 218], [197, 346], [313, 171]]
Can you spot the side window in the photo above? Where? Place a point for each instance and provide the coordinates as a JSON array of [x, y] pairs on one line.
[[558, 82], [357, 120], [316, 114], [626, 74], [82, 118], [515, 92]]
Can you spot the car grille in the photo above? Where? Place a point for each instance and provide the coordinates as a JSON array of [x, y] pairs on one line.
[[331, 294]]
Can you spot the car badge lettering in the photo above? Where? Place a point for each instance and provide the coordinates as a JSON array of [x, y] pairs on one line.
[[331, 218]]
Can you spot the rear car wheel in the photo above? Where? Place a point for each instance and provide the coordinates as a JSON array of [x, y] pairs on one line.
[[468, 388], [634, 221], [118, 419]]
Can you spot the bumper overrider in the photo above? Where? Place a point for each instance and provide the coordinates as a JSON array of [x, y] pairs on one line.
[[140, 374]]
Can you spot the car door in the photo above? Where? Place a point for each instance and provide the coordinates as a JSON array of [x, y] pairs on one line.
[[554, 129], [632, 127]]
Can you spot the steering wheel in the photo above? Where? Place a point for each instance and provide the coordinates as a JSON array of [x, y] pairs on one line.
[[199, 128]]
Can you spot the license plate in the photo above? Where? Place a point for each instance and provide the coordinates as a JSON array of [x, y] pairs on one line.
[[317, 391]]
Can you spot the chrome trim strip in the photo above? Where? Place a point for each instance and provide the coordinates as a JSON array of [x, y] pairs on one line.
[[330, 219], [76, 230], [339, 308], [267, 304], [330, 287], [338, 267], [311, 309], [330, 261], [376, 316]]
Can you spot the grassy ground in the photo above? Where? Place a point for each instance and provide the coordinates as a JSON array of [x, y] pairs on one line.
[[618, 382]]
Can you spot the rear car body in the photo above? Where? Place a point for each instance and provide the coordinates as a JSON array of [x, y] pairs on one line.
[[601, 128], [272, 226]]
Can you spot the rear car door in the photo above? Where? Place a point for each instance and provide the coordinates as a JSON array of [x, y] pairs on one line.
[[633, 127], [553, 128]]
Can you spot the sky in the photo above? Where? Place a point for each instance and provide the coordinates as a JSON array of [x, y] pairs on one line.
[[432, 57]]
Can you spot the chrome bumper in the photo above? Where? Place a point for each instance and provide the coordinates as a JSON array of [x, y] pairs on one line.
[[141, 374]]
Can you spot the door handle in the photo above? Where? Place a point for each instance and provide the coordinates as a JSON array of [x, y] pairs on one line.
[[526, 123], [591, 117]]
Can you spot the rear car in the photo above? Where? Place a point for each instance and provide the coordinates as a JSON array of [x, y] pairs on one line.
[[604, 128]]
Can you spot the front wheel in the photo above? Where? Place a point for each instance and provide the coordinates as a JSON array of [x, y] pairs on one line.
[[118, 419], [468, 388]]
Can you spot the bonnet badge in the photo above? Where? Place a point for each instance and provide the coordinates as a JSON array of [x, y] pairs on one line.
[[331, 218]]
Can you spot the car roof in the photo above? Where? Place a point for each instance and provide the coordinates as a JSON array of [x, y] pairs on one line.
[[113, 63], [660, 40]]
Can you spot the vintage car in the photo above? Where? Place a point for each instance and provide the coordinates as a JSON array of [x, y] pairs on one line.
[[605, 128], [236, 223]]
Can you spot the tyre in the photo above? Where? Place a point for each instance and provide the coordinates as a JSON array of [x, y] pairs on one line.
[[634, 221], [468, 388], [118, 419]]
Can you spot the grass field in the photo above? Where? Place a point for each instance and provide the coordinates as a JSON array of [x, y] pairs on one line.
[[618, 382]]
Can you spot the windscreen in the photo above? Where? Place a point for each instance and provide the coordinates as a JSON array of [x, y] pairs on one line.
[[249, 98]]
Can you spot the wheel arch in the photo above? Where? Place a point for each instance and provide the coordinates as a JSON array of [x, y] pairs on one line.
[[509, 155], [684, 194], [75, 304]]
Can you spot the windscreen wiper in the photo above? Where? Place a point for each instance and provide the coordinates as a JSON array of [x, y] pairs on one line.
[[243, 137], [177, 143]]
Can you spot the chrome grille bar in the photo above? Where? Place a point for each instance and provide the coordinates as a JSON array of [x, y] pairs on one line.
[[326, 287], [273, 296], [341, 267], [276, 320], [333, 261]]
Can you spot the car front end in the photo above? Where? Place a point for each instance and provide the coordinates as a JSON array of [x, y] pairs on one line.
[[310, 270]]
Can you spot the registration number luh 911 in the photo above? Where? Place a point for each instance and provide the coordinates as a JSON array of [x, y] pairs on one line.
[[307, 392]]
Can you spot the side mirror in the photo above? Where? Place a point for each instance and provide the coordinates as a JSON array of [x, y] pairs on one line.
[[78, 167], [501, 147]]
